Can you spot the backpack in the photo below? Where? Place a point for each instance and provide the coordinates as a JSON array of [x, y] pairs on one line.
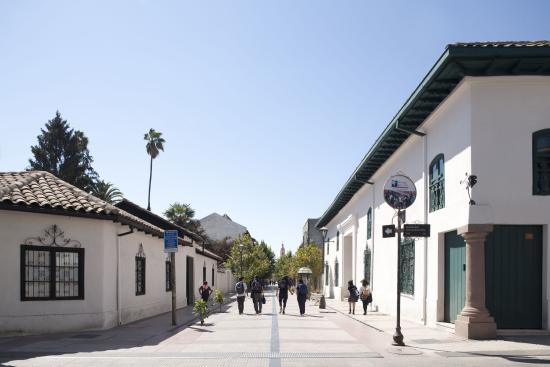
[[302, 289], [239, 288], [283, 284], [256, 286], [366, 294], [354, 293]]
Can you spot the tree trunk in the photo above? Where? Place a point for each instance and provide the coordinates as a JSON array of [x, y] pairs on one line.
[[150, 178]]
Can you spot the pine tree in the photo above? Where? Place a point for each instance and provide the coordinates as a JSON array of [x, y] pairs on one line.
[[63, 152]]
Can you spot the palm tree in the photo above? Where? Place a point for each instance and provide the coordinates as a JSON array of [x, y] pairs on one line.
[[180, 214], [154, 146], [106, 191]]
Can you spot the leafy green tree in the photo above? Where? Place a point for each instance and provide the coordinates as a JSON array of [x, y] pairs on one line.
[[270, 255], [106, 191], [155, 143], [283, 266], [64, 152], [308, 256], [254, 259]]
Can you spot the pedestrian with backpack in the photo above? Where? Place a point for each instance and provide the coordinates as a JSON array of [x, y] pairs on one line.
[[284, 284], [365, 295], [240, 289], [257, 294], [353, 296], [301, 292]]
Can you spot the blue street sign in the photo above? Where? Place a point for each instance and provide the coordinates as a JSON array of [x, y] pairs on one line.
[[170, 241]]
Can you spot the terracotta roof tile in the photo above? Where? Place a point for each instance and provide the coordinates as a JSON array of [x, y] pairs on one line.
[[43, 190]]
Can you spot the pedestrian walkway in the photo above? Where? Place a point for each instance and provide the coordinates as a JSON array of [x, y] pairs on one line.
[[321, 338]]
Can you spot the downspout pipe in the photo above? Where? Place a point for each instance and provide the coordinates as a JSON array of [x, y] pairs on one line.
[[118, 286], [425, 172]]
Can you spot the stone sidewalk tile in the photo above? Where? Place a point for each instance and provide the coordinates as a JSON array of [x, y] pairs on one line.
[[437, 339]]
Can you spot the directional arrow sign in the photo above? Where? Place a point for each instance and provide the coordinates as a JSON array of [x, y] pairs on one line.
[[388, 231]]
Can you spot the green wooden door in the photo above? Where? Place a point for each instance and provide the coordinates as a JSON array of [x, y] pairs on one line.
[[455, 275], [513, 276]]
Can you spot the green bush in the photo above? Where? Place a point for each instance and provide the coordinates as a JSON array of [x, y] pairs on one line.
[[201, 310], [218, 298]]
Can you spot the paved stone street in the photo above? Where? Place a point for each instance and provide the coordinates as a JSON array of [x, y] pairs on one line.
[[322, 338]]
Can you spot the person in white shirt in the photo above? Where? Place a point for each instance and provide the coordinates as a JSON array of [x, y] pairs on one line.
[[365, 294], [240, 288]]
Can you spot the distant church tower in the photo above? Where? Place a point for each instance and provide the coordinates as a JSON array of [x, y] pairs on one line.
[[282, 249]]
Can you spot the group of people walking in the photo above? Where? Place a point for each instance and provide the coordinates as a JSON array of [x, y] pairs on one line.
[[284, 287], [363, 293]]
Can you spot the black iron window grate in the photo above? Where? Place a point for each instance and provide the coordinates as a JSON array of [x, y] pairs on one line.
[[49, 273], [406, 266], [140, 276], [168, 276], [541, 162]]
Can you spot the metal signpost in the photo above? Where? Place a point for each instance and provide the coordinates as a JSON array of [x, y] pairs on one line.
[[171, 246], [399, 193]]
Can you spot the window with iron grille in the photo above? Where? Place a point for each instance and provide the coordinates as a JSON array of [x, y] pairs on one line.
[[369, 224], [213, 277], [336, 269], [140, 276], [406, 266], [328, 247], [51, 273], [326, 274], [337, 241], [366, 264], [168, 276], [437, 183], [204, 273], [541, 162]]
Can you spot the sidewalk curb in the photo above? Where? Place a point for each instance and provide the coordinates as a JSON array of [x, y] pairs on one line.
[[353, 318]]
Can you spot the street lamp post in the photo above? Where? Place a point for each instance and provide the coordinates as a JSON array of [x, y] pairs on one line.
[[322, 301], [398, 336]]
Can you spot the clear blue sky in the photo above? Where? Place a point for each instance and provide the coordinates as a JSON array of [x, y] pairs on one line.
[[266, 107]]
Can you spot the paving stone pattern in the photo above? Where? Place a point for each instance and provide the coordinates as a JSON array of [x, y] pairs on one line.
[[322, 338]]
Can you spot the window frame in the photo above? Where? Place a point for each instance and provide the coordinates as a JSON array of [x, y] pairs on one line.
[[437, 183], [144, 270], [52, 270], [338, 241], [536, 157], [407, 289], [336, 271], [213, 276], [369, 223], [168, 281]]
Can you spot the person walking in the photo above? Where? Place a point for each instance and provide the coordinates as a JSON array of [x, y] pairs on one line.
[[205, 291], [301, 292], [353, 296], [284, 284], [365, 295], [240, 289], [257, 294]]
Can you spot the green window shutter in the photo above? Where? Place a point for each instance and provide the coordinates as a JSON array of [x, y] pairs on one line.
[[437, 183], [406, 266], [541, 162], [369, 224], [366, 264], [336, 275]]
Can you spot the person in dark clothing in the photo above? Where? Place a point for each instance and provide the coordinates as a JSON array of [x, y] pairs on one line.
[[284, 284], [205, 291], [353, 296], [257, 292], [240, 289], [365, 294], [301, 292]]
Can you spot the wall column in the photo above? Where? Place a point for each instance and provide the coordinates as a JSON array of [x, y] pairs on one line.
[[475, 322]]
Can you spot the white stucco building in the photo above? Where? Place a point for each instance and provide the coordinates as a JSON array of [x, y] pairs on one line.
[[483, 110], [70, 261]]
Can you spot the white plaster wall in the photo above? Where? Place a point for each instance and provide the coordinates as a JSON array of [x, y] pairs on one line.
[[448, 132], [506, 111], [18, 316]]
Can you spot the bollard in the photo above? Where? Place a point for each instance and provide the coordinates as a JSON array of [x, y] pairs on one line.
[[322, 302]]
